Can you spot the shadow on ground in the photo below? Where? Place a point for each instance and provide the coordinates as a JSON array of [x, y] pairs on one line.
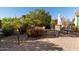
[[41, 46], [33, 46], [10, 44]]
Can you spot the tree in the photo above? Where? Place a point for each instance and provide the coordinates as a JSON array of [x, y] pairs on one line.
[[38, 17], [6, 23], [0, 23], [13, 22], [16, 23]]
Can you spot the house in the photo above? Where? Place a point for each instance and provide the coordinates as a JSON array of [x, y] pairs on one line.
[[76, 20], [0, 23], [53, 23]]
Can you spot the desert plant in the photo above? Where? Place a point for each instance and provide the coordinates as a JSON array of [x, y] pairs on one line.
[[35, 32], [73, 28]]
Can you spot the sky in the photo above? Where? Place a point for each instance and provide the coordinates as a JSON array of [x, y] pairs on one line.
[[67, 12]]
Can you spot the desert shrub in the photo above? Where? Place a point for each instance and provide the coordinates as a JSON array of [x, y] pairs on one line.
[[73, 28], [35, 32]]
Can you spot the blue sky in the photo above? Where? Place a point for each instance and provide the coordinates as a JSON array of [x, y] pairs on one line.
[[67, 12]]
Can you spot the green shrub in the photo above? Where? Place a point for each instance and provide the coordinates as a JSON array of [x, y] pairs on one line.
[[7, 29], [7, 32], [9, 25]]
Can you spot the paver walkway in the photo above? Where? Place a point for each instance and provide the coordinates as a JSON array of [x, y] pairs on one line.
[[67, 43]]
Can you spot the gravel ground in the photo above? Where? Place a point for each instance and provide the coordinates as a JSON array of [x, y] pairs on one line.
[[46, 43]]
